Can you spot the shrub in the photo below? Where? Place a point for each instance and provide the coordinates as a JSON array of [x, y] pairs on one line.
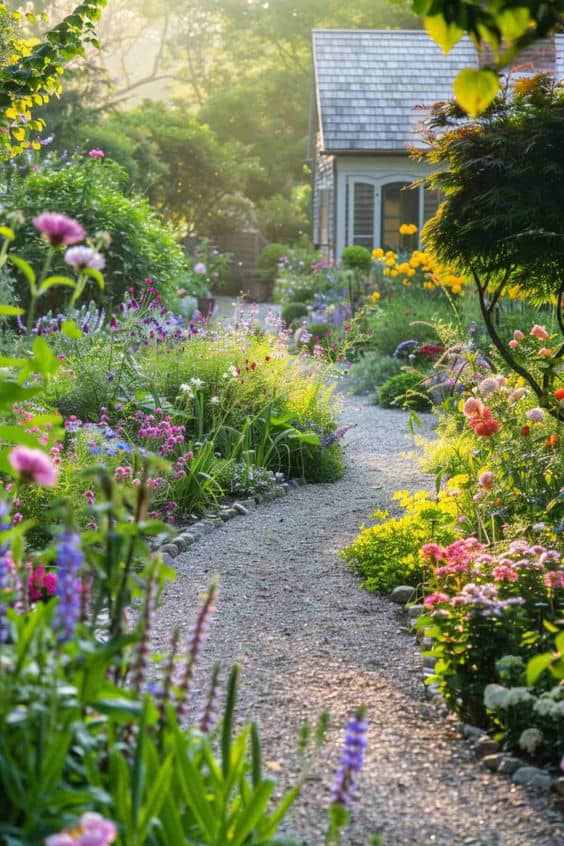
[[389, 553], [93, 192], [404, 390], [270, 257], [371, 370], [293, 311], [357, 258]]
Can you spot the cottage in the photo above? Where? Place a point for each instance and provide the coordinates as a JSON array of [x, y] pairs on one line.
[[369, 87]]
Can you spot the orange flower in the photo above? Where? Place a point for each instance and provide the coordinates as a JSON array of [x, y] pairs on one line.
[[559, 393], [552, 440]]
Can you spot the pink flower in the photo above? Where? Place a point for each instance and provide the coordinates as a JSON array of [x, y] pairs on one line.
[[472, 407], [59, 229], [200, 268], [505, 573], [96, 154], [518, 335], [93, 830], [33, 465], [539, 332], [554, 579], [488, 385], [81, 257], [433, 552], [434, 599], [535, 414], [516, 395], [513, 345], [486, 480]]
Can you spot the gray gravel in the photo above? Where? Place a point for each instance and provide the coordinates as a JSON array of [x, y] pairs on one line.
[[309, 639]]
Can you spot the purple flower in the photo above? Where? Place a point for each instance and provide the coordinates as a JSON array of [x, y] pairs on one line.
[[351, 759], [69, 562], [82, 257], [200, 268], [59, 229], [33, 465]]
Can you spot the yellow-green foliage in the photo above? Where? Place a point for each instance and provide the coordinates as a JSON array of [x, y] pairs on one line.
[[388, 554]]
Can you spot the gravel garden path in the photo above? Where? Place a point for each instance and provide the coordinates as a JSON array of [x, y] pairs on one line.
[[309, 639]]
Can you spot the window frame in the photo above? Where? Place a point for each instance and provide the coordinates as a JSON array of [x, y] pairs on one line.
[[378, 183]]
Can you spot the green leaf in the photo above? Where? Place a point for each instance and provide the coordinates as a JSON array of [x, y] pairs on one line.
[[45, 359], [54, 281], [25, 268], [10, 311], [445, 34], [538, 665], [6, 232], [475, 90], [71, 329], [96, 275], [513, 22]]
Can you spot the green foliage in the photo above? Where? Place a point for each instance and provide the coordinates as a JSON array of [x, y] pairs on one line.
[[33, 76], [292, 312], [92, 192], [270, 256], [405, 390], [389, 554], [371, 370], [409, 314], [283, 218], [357, 258]]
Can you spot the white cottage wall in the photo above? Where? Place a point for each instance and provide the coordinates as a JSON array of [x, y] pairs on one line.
[[377, 171]]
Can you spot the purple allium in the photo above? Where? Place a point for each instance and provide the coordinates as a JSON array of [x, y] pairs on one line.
[[59, 229], [351, 759], [82, 257], [69, 562], [200, 268]]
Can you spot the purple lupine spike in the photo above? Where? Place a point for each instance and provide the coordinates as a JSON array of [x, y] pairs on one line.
[[209, 713], [197, 639], [69, 562], [4, 570], [351, 759]]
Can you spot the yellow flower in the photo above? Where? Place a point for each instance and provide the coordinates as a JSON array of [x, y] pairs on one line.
[[375, 296], [377, 253], [408, 229], [390, 262], [393, 273]]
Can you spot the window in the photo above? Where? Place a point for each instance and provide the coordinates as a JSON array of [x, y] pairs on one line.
[[399, 205], [363, 215]]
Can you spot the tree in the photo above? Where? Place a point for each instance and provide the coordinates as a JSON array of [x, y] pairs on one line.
[[30, 70], [502, 176], [503, 29]]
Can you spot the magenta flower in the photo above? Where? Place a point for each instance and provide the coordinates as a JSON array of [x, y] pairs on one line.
[[96, 154], [82, 257], [59, 229], [33, 465]]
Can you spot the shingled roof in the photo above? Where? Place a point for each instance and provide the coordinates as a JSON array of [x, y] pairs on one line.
[[369, 82]]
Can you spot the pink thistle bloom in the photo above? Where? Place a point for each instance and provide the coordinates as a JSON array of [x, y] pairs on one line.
[[516, 395], [200, 268], [33, 465], [82, 257], [535, 414], [96, 154], [59, 229], [539, 332], [488, 385], [518, 335]]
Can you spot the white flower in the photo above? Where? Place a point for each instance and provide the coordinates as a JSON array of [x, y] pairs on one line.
[[544, 706], [518, 696], [82, 257], [214, 400], [197, 383], [530, 740], [187, 390], [495, 696]]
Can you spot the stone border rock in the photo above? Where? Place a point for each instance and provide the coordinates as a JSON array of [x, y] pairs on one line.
[[488, 750], [194, 530]]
